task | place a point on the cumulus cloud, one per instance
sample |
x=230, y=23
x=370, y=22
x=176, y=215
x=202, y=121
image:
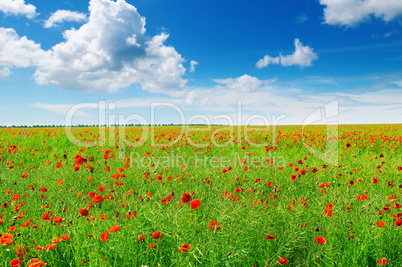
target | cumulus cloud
x=109, y=52
x=302, y=57
x=4, y=72
x=193, y=63
x=17, y=7
x=351, y=12
x=16, y=51
x=245, y=83
x=64, y=15
x=266, y=60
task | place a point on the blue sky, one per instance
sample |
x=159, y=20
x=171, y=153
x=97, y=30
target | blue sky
x=204, y=60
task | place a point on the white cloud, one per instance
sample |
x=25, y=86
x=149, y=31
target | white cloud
x=17, y=7
x=351, y=12
x=64, y=15
x=245, y=83
x=294, y=104
x=16, y=51
x=193, y=63
x=266, y=60
x=301, y=18
x=4, y=72
x=161, y=68
x=277, y=103
x=109, y=52
x=302, y=57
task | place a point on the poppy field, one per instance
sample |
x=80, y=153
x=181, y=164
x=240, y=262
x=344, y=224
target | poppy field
x=205, y=196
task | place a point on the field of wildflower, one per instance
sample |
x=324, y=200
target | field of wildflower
x=201, y=196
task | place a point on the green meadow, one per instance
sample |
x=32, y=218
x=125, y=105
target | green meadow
x=199, y=196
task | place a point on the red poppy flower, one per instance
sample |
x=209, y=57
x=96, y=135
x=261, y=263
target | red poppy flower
x=35, y=262
x=213, y=224
x=283, y=261
x=375, y=180
x=186, y=198
x=16, y=197
x=6, y=239
x=351, y=236
x=348, y=145
x=84, y=212
x=101, y=188
x=46, y=217
x=50, y=247
x=57, y=219
x=65, y=237
x=351, y=182
x=195, y=204
x=387, y=208
x=398, y=223
x=382, y=261
x=141, y=238
x=381, y=224
x=184, y=248
x=320, y=240
x=15, y=263
x=114, y=228
x=105, y=236
x=76, y=168
x=97, y=199
x=157, y=235
x=270, y=237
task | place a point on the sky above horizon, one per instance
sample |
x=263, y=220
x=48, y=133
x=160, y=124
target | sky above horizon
x=178, y=61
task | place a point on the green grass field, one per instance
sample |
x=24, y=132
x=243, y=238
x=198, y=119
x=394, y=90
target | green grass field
x=201, y=197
